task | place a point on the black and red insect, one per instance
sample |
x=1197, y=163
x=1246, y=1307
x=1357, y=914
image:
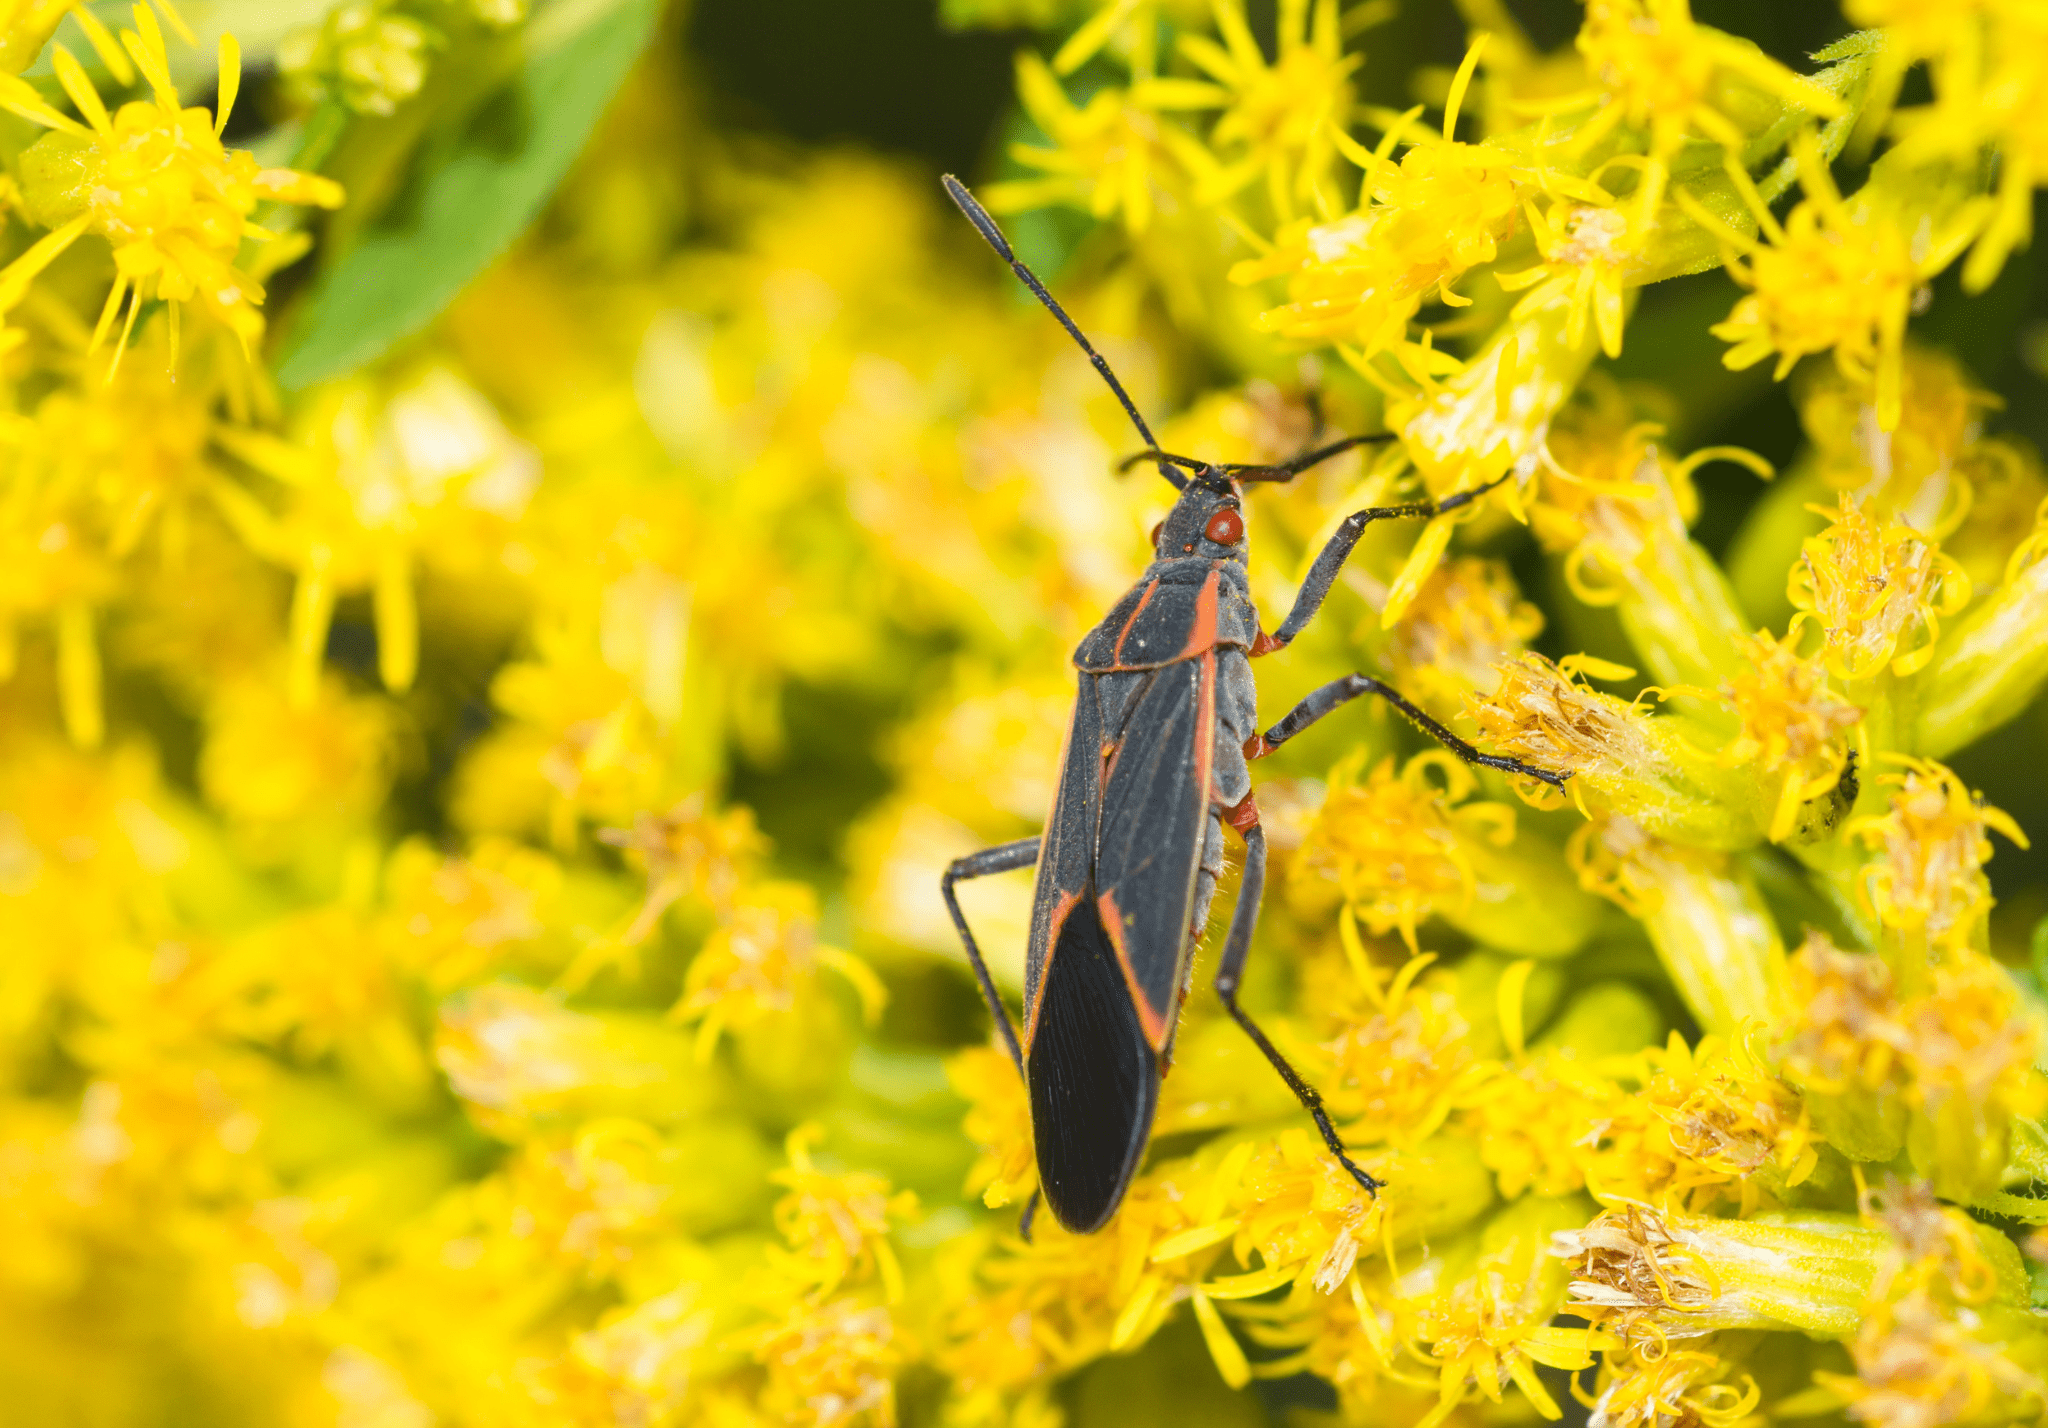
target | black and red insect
x=1155, y=764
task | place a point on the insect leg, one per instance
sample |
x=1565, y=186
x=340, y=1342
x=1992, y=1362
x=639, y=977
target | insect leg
x=1339, y=692
x=1003, y=858
x=1323, y=574
x=1243, y=919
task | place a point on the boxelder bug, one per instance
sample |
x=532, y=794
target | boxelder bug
x=1154, y=766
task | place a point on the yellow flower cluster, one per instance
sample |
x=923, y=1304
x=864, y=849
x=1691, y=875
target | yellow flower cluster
x=471, y=818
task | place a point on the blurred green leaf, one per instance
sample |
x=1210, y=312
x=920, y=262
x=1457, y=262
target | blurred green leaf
x=472, y=193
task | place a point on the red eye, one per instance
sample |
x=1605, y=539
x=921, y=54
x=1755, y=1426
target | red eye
x=1157, y=527
x=1226, y=527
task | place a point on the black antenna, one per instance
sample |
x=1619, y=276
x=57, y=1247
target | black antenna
x=978, y=216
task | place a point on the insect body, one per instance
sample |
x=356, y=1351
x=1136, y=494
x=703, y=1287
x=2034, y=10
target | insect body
x=1155, y=763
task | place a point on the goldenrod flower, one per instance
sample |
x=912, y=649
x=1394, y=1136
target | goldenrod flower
x=1908, y=470
x=1651, y=1385
x=1618, y=508
x=1652, y=1276
x=762, y=961
x=1640, y=765
x=1398, y=846
x=1839, y=275
x=155, y=181
x=1112, y=155
x=1792, y=728
x=1277, y=117
x=837, y=1226
x=430, y=1052
x=1843, y=1047
x=1663, y=71
x=371, y=57
x=1494, y=1327
x=1466, y=618
x=1589, y=253
x=1927, y=881
x=1362, y=277
x=998, y=1122
x=1878, y=592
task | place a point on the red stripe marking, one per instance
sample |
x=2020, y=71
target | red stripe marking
x=1202, y=636
x=1149, y=1017
x=1060, y=912
x=1125, y=633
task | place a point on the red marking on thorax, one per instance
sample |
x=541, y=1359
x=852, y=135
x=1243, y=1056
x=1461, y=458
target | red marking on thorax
x=1202, y=636
x=1265, y=644
x=1139, y=609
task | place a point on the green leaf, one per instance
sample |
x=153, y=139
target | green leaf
x=473, y=191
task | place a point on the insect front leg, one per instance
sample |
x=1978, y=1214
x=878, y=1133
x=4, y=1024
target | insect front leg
x=1339, y=692
x=1244, y=918
x=1330, y=560
x=1003, y=858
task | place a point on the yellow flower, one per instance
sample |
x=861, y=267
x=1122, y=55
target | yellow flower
x=1927, y=880
x=1653, y=1277
x=1362, y=277
x=26, y=26
x=155, y=181
x=1909, y=470
x=1989, y=80
x=833, y=1364
x=1493, y=1327
x=1657, y=1384
x=371, y=58
x=1588, y=253
x=1466, y=619
x=691, y=851
x=1025, y=1312
x=761, y=961
x=1838, y=275
x=1277, y=117
x=1662, y=71
x=1791, y=727
x=998, y=1121
x=837, y=1225
x=1873, y=588
x=1620, y=758
x=1842, y=1047
x=450, y=920
x=271, y=764
x=1534, y=1122
x=1401, y=1062
x=1702, y=910
x=1945, y=1330
x=1113, y=155
x=1398, y=846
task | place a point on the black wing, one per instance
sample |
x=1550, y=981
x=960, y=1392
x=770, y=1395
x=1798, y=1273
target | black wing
x=1155, y=803
x=1104, y=993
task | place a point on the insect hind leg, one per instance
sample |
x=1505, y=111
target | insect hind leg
x=1244, y=918
x=1339, y=692
x=1003, y=858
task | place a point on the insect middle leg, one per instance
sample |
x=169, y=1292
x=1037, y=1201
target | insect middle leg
x=1244, y=919
x=1003, y=858
x=1339, y=692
